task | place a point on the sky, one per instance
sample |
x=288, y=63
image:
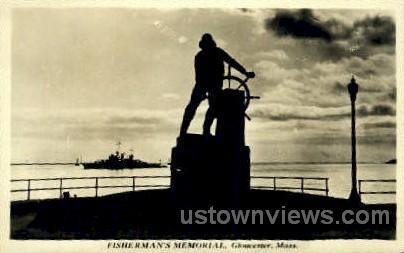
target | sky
x=84, y=79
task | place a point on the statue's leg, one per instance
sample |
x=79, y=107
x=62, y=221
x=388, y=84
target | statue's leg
x=207, y=124
x=197, y=97
x=211, y=113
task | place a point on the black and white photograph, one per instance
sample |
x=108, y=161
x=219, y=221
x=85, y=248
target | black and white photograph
x=203, y=127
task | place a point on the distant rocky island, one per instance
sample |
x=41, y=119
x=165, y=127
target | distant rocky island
x=392, y=161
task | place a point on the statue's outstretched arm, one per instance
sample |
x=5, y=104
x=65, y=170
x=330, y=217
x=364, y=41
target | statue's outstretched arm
x=232, y=62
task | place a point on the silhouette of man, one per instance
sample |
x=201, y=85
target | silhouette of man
x=209, y=72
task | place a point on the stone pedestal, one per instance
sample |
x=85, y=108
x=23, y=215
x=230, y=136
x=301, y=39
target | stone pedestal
x=214, y=168
x=231, y=121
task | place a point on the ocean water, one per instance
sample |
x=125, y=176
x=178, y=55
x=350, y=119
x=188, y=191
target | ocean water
x=339, y=179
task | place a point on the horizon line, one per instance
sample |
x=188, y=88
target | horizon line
x=256, y=163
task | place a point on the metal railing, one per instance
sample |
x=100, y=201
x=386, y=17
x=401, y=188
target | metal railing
x=302, y=187
x=364, y=181
x=133, y=186
x=96, y=185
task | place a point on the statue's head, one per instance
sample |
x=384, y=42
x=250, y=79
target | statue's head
x=207, y=42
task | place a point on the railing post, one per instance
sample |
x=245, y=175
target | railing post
x=302, y=184
x=133, y=183
x=326, y=187
x=96, y=187
x=274, y=183
x=360, y=187
x=29, y=190
x=61, y=188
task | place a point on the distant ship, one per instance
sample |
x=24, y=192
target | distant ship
x=119, y=161
x=392, y=161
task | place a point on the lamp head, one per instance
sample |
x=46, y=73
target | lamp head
x=353, y=88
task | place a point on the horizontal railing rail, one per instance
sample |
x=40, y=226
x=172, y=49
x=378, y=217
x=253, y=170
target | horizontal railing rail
x=96, y=185
x=302, y=188
x=133, y=186
x=69, y=178
x=364, y=181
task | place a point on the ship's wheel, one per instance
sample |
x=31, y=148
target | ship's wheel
x=236, y=83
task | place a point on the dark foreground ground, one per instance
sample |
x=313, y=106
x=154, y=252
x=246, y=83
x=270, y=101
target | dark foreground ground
x=152, y=214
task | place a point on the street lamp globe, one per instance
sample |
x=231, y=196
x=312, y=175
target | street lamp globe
x=353, y=88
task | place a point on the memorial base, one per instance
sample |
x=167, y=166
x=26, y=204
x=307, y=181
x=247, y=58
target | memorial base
x=204, y=171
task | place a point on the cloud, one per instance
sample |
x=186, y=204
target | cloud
x=300, y=24
x=393, y=94
x=279, y=112
x=274, y=73
x=245, y=10
x=376, y=110
x=384, y=124
x=304, y=24
x=372, y=140
x=89, y=124
x=324, y=84
x=342, y=89
x=378, y=30
x=277, y=54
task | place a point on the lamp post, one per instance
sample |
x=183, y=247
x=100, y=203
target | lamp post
x=353, y=90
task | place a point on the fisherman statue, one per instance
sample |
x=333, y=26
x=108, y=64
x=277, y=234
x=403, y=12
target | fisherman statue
x=209, y=72
x=214, y=168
